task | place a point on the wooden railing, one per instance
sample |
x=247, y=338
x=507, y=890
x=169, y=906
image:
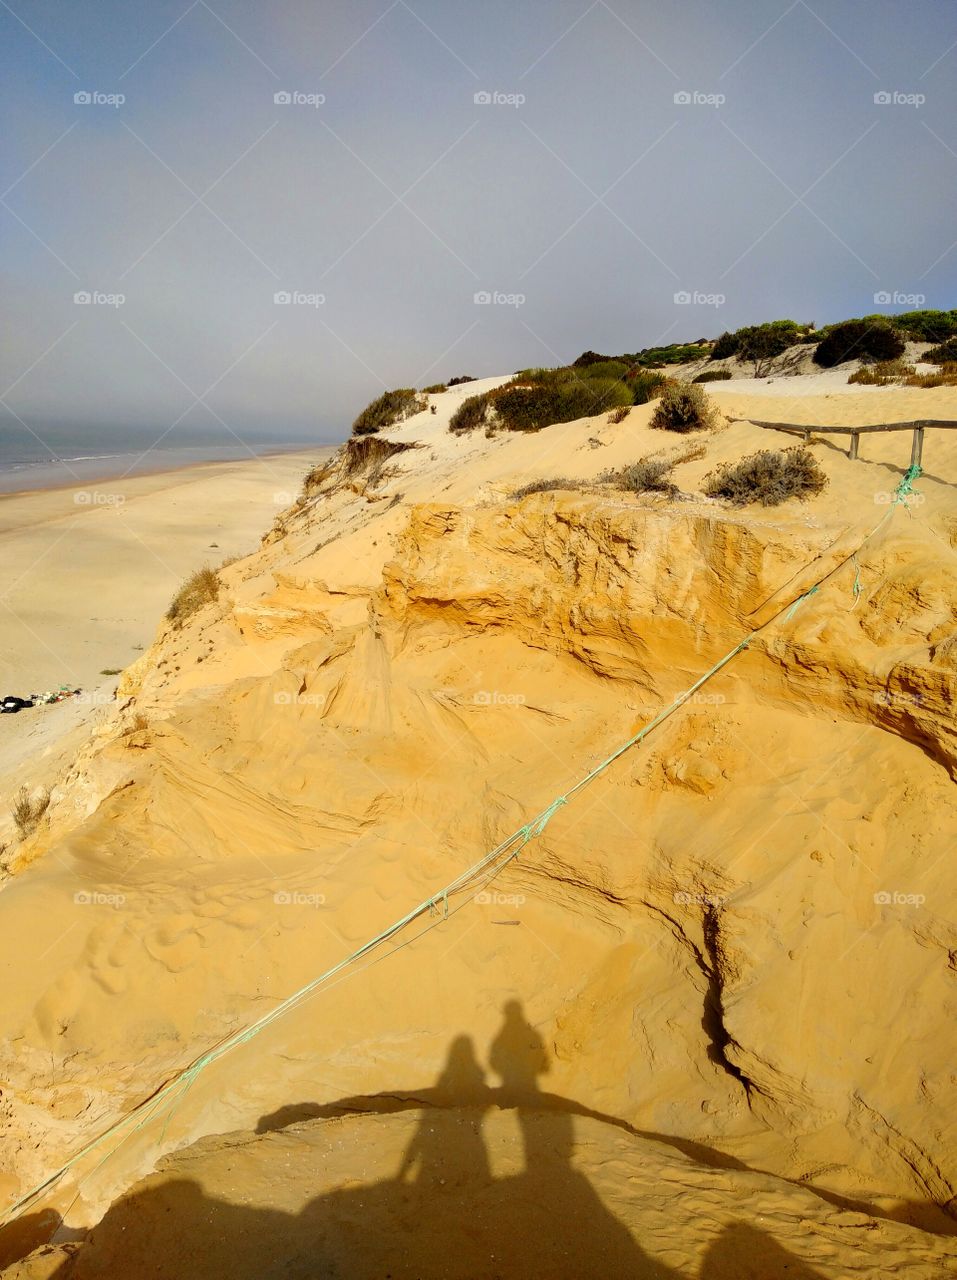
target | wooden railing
x=918, y=428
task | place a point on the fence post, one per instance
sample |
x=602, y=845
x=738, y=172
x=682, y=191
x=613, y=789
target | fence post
x=855, y=439
x=917, y=448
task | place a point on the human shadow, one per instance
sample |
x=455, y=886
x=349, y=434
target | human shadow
x=743, y=1252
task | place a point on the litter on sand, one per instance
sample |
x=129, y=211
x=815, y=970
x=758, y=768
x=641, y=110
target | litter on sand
x=11, y=704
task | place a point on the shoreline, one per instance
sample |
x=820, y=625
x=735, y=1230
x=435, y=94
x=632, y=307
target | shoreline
x=100, y=475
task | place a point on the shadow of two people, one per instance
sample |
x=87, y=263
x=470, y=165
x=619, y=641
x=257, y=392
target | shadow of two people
x=442, y=1214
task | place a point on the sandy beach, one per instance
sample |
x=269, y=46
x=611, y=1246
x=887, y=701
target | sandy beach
x=87, y=572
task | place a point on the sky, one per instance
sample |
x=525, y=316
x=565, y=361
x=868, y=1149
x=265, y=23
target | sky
x=250, y=219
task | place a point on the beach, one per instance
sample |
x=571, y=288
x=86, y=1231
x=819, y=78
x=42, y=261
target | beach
x=88, y=572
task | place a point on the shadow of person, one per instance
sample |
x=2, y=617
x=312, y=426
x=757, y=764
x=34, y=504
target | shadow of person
x=444, y=1132
x=743, y=1252
x=518, y=1055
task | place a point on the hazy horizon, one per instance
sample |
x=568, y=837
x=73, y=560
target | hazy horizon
x=589, y=165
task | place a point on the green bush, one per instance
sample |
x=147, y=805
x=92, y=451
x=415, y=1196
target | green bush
x=529, y=408
x=868, y=339
x=434, y=390
x=615, y=369
x=727, y=345
x=882, y=374
x=714, y=375
x=760, y=343
x=588, y=358
x=926, y=326
x=943, y=354
x=768, y=476
x=645, y=384
x=683, y=407
x=471, y=413
x=457, y=382
x=391, y=407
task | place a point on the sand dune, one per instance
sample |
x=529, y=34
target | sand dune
x=739, y=937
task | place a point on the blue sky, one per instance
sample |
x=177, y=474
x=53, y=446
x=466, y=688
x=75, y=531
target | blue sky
x=585, y=197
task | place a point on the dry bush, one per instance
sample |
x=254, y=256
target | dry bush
x=946, y=376
x=201, y=587
x=619, y=414
x=391, y=407
x=545, y=486
x=769, y=476
x=28, y=809
x=649, y=475
x=882, y=374
x=684, y=407
x=370, y=453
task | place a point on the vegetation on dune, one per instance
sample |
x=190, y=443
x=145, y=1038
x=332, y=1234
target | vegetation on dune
x=769, y=477
x=884, y=373
x=649, y=475
x=434, y=390
x=945, y=353
x=457, y=382
x=201, y=587
x=714, y=375
x=537, y=398
x=869, y=340
x=683, y=407
x=946, y=376
x=388, y=409
x=28, y=809
x=545, y=486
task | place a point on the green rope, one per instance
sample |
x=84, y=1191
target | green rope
x=493, y=862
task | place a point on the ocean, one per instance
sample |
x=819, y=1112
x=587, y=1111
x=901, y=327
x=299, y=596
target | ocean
x=74, y=456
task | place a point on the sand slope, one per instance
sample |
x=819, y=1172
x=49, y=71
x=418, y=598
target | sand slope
x=742, y=935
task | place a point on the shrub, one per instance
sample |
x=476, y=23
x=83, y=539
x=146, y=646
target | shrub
x=946, y=376
x=471, y=413
x=457, y=382
x=926, y=326
x=647, y=476
x=881, y=374
x=589, y=357
x=529, y=408
x=434, y=390
x=545, y=486
x=714, y=375
x=870, y=339
x=645, y=384
x=943, y=354
x=768, y=476
x=683, y=407
x=619, y=414
x=27, y=810
x=617, y=370
x=200, y=588
x=391, y=407
x=727, y=345
x=760, y=343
